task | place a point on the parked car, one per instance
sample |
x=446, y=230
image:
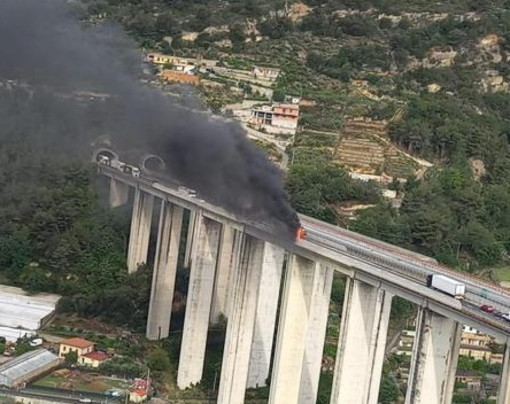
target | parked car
x=487, y=308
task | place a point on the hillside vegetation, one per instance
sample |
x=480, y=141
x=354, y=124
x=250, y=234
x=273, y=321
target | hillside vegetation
x=436, y=75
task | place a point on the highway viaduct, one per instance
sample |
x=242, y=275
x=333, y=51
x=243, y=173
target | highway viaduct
x=236, y=271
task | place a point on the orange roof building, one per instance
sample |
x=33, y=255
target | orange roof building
x=93, y=359
x=79, y=345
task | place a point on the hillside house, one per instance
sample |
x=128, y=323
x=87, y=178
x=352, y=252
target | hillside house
x=79, y=345
x=93, y=359
x=286, y=116
x=276, y=119
x=139, y=391
x=84, y=349
x=472, y=380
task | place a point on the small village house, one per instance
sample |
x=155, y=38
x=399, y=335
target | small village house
x=472, y=380
x=139, y=391
x=276, y=119
x=79, y=345
x=84, y=349
x=92, y=359
x=286, y=116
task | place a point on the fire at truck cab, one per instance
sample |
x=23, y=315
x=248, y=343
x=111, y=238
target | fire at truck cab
x=301, y=234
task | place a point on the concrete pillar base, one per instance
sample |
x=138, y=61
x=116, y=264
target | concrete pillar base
x=301, y=332
x=361, y=345
x=434, y=359
x=316, y=336
x=265, y=323
x=241, y=323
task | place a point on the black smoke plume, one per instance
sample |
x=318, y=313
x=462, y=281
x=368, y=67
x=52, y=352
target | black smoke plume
x=52, y=64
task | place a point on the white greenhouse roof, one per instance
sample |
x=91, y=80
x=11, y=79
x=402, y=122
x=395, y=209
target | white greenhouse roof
x=12, y=334
x=25, y=365
x=20, y=310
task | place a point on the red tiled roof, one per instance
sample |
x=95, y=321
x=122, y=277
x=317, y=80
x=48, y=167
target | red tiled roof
x=77, y=343
x=96, y=355
x=139, y=392
x=140, y=384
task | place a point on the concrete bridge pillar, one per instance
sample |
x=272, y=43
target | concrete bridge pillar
x=227, y=258
x=119, y=193
x=317, y=326
x=198, y=306
x=301, y=332
x=192, y=227
x=504, y=386
x=265, y=320
x=165, y=269
x=434, y=359
x=241, y=322
x=141, y=221
x=360, y=353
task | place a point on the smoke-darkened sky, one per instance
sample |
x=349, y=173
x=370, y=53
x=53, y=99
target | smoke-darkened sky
x=50, y=54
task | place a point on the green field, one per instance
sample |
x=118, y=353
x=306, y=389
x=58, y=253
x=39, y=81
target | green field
x=503, y=274
x=80, y=382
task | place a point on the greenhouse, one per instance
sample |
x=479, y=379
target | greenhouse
x=26, y=367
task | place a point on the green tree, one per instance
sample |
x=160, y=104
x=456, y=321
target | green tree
x=388, y=391
x=22, y=347
x=279, y=95
x=158, y=360
x=317, y=189
x=71, y=358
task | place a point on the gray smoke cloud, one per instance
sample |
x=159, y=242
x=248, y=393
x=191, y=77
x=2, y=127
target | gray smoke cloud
x=47, y=56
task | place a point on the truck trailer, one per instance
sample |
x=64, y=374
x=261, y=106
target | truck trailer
x=447, y=285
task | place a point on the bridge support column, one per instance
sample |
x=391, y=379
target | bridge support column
x=165, y=269
x=360, y=353
x=434, y=359
x=119, y=193
x=141, y=220
x=304, y=312
x=192, y=226
x=229, y=250
x=317, y=326
x=265, y=322
x=241, y=322
x=504, y=386
x=198, y=306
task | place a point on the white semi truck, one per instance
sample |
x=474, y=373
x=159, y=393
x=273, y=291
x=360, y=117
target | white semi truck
x=447, y=285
